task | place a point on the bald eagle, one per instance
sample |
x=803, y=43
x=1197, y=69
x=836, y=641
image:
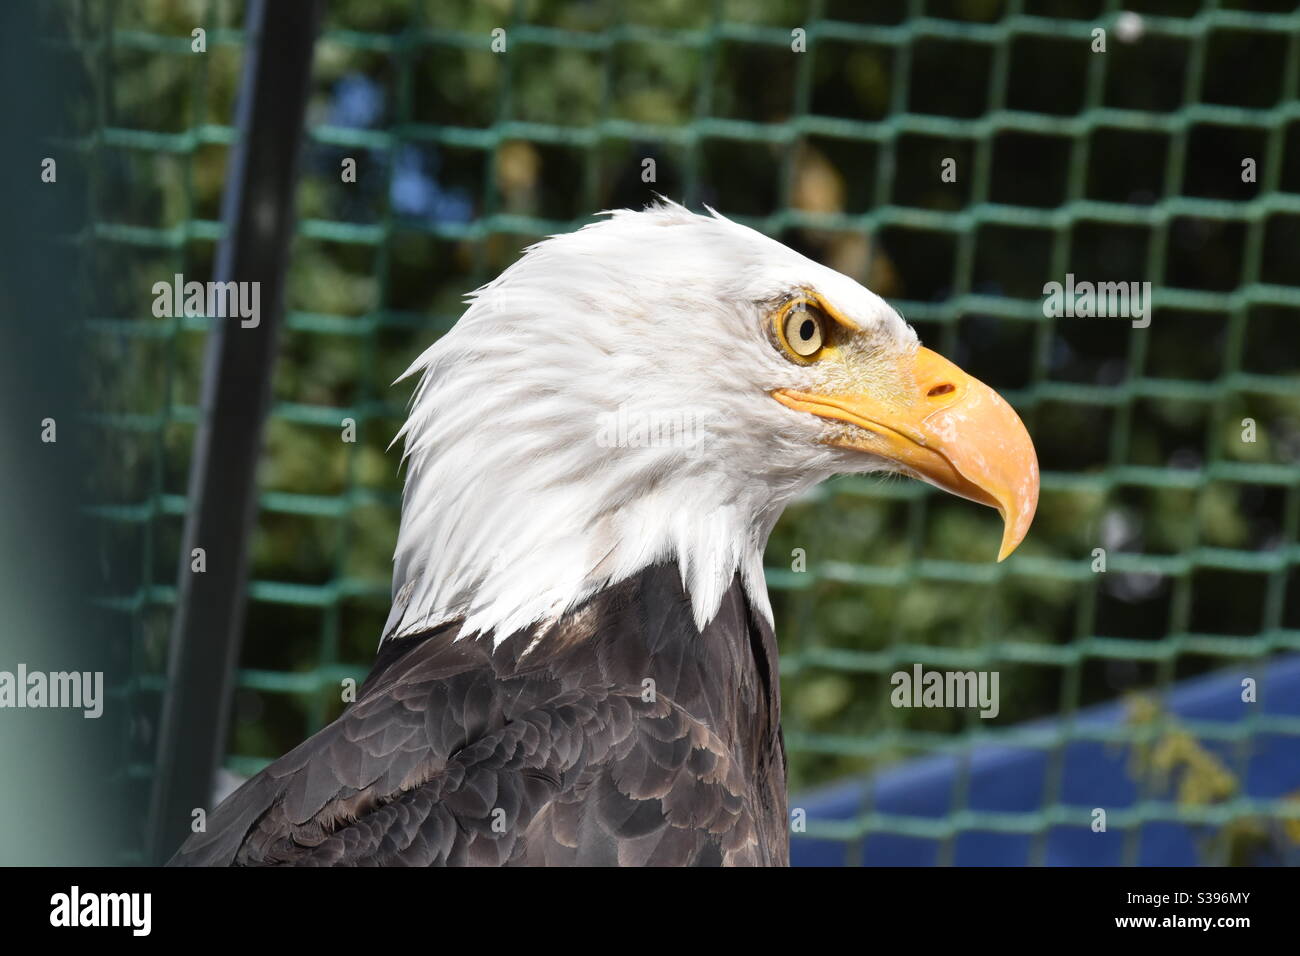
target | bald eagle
x=579, y=666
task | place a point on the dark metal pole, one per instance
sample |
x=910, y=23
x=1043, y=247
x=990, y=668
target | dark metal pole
x=257, y=211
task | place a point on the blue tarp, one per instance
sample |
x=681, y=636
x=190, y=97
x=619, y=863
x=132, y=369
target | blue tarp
x=1013, y=779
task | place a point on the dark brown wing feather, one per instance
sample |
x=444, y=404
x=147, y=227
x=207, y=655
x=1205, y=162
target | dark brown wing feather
x=549, y=753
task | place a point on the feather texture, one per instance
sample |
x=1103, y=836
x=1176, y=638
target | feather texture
x=579, y=664
x=524, y=495
x=620, y=735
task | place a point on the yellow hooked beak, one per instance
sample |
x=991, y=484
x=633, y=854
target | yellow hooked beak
x=947, y=428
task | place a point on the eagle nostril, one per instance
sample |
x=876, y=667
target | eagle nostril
x=941, y=390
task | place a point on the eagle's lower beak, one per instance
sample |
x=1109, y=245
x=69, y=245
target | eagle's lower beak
x=947, y=428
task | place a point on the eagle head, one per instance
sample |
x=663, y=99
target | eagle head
x=657, y=387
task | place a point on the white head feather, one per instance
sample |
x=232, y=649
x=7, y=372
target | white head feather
x=528, y=490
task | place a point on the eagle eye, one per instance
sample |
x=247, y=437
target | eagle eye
x=802, y=327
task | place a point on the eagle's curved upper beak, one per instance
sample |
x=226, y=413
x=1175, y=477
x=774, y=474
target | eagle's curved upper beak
x=945, y=427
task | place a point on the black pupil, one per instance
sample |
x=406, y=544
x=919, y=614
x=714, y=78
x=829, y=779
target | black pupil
x=807, y=329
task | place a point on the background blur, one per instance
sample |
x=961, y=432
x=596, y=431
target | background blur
x=1119, y=689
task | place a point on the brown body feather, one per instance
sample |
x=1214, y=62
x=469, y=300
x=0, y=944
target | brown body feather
x=620, y=735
